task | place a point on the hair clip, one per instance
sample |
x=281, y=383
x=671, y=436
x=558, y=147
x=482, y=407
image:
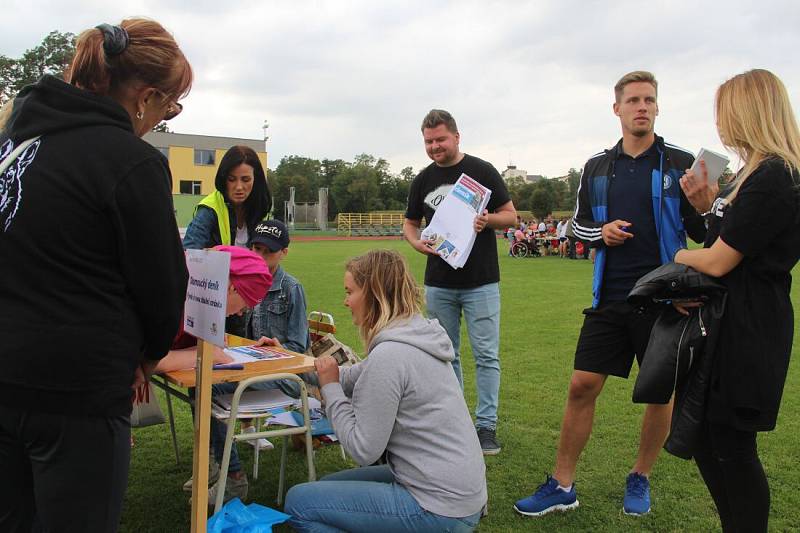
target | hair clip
x=115, y=39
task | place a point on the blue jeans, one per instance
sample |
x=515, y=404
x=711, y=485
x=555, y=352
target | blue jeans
x=481, y=308
x=364, y=499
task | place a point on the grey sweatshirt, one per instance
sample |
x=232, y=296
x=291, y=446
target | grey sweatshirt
x=405, y=399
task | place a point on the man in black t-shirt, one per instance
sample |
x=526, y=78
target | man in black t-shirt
x=632, y=211
x=474, y=288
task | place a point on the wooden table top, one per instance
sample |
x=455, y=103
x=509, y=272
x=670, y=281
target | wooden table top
x=298, y=364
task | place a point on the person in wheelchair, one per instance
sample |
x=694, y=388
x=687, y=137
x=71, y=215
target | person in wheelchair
x=525, y=245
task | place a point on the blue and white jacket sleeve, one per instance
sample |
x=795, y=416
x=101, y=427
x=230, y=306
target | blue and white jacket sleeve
x=584, y=225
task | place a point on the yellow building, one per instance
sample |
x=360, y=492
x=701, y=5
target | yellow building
x=193, y=159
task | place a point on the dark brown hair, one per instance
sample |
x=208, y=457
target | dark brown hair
x=151, y=57
x=435, y=117
x=259, y=203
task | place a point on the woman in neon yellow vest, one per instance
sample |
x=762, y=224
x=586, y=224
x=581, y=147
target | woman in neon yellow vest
x=242, y=200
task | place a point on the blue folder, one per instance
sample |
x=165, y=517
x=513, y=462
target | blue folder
x=320, y=425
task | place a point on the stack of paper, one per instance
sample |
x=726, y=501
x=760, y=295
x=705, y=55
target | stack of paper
x=255, y=403
x=452, y=228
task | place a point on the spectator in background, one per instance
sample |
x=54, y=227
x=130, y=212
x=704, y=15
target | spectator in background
x=510, y=236
x=561, y=232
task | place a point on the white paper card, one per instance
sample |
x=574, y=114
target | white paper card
x=207, y=295
x=715, y=164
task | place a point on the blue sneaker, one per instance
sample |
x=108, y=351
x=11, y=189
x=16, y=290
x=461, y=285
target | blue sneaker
x=547, y=498
x=637, y=495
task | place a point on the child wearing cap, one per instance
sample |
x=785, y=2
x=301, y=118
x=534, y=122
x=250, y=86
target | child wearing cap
x=282, y=313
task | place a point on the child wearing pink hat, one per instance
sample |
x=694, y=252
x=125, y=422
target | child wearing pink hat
x=250, y=279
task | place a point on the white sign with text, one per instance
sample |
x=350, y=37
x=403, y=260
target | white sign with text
x=207, y=295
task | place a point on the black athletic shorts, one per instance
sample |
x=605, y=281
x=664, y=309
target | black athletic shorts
x=611, y=336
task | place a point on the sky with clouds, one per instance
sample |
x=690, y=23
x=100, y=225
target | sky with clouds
x=530, y=83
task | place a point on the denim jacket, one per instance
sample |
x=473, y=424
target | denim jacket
x=282, y=314
x=203, y=230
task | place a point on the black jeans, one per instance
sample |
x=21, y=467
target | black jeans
x=62, y=473
x=728, y=461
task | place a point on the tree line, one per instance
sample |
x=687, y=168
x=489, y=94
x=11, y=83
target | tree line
x=363, y=185
x=367, y=184
x=546, y=195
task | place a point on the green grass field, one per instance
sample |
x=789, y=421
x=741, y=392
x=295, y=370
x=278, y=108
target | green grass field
x=542, y=299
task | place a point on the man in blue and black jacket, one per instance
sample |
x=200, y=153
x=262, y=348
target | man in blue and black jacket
x=632, y=209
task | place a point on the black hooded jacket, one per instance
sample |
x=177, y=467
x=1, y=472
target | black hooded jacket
x=92, y=272
x=681, y=349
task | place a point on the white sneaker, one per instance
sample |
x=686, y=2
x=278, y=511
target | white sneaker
x=263, y=444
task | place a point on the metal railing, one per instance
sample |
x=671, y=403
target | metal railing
x=370, y=224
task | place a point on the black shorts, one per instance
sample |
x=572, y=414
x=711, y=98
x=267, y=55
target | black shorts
x=611, y=336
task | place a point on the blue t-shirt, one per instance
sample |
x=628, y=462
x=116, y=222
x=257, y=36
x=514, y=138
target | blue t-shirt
x=630, y=198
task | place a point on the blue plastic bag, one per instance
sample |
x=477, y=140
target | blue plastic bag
x=235, y=517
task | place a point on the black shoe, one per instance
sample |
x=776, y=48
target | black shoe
x=488, y=439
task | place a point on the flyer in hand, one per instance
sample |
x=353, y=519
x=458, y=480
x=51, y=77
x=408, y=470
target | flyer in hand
x=452, y=228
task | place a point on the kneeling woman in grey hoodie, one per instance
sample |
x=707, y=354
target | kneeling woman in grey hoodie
x=403, y=402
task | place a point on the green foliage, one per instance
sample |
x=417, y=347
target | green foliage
x=302, y=173
x=541, y=197
x=51, y=56
x=366, y=184
x=573, y=182
x=541, y=202
x=541, y=300
x=356, y=188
